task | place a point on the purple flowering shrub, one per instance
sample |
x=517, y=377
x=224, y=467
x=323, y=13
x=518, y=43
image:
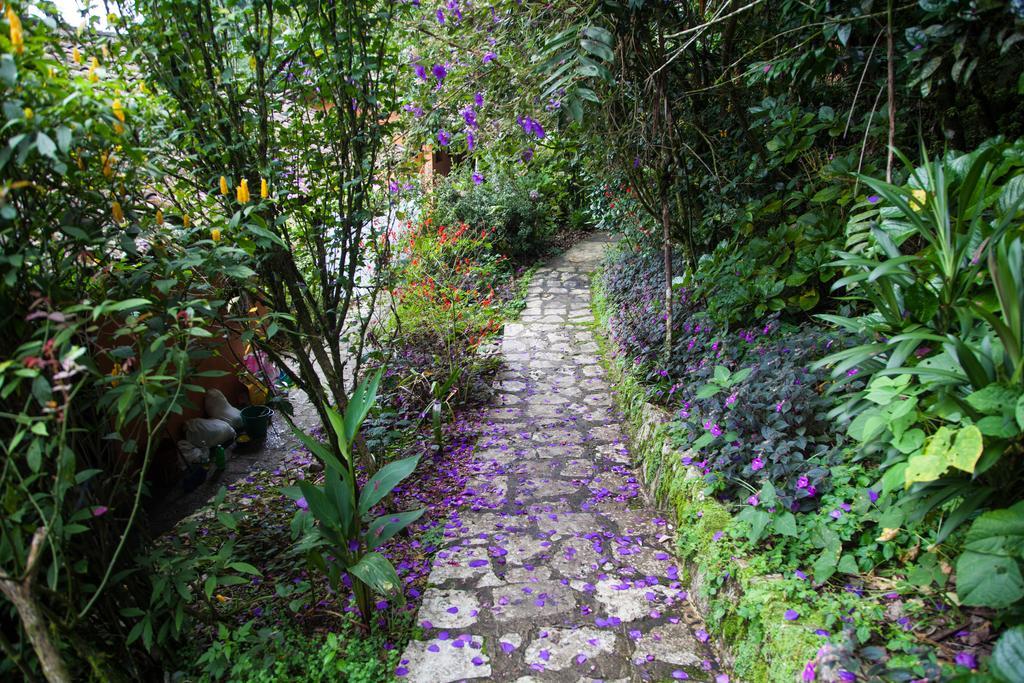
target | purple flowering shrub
x=770, y=426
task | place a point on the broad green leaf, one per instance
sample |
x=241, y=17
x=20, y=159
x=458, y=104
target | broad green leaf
x=381, y=483
x=360, y=403
x=721, y=374
x=319, y=506
x=966, y=449
x=376, y=571
x=984, y=580
x=998, y=532
x=386, y=526
x=909, y=441
x=318, y=449
x=1019, y=412
x=993, y=399
x=925, y=468
x=785, y=525
x=1007, y=661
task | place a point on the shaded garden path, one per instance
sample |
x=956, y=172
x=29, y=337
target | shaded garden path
x=558, y=569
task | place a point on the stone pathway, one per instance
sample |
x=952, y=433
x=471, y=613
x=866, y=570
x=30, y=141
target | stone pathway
x=558, y=570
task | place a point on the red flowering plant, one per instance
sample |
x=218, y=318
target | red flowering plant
x=450, y=292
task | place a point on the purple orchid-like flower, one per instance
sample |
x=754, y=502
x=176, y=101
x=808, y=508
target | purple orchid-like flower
x=439, y=72
x=469, y=116
x=757, y=464
x=490, y=57
x=802, y=482
x=444, y=138
x=421, y=71
x=966, y=659
x=478, y=99
x=478, y=178
x=440, y=17
x=470, y=140
x=791, y=615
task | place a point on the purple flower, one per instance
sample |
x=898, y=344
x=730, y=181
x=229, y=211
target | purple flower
x=477, y=178
x=753, y=500
x=791, y=615
x=440, y=17
x=680, y=675
x=439, y=71
x=873, y=495
x=489, y=57
x=469, y=116
x=301, y=502
x=846, y=676
x=851, y=372
x=470, y=140
x=802, y=482
x=101, y=510
x=701, y=635
x=800, y=575
x=722, y=678
x=527, y=154
x=444, y=138
x=836, y=514
x=966, y=659
x=808, y=674
x=717, y=536
x=811, y=491
x=478, y=99
x=873, y=199
x=421, y=71
x=731, y=400
x=757, y=464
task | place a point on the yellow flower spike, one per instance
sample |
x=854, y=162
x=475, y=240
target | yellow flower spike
x=118, y=213
x=29, y=113
x=118, y=110
x=243, y=192
x=919, y=199
x=76, y=56
x=220, y=598
x=223, y=185
x=215, y=234
x=118, y=129
x=264, y=188
x=186, y=221
x=159, y=217
x=93, y=65
x=17, y=35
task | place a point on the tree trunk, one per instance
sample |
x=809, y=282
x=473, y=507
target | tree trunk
x=32, y=619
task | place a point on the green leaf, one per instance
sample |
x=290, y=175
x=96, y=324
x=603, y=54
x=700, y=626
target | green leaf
x=386, y=526
x=998, y=532
x=1007, y=661
x=924, y=468
x=848, y=564
x=46, y=146
x=376, y=571
x=721, y=374
x=707, y=391
x=993, y=399
x=227, y=519
x=319, y=506
x=245, y=568
x=360, y=403
x=598, y=49
x=984, y=580
x=318, y=449
x=785, y=524
x=824, y=567
x=381, y=483
x=966, y=449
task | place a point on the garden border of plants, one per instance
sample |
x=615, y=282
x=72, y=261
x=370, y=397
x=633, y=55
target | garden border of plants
x=756, y=651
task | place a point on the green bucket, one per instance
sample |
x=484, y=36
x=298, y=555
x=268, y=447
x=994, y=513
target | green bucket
x=255, y=420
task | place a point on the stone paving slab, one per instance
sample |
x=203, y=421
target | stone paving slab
x=558, y=569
